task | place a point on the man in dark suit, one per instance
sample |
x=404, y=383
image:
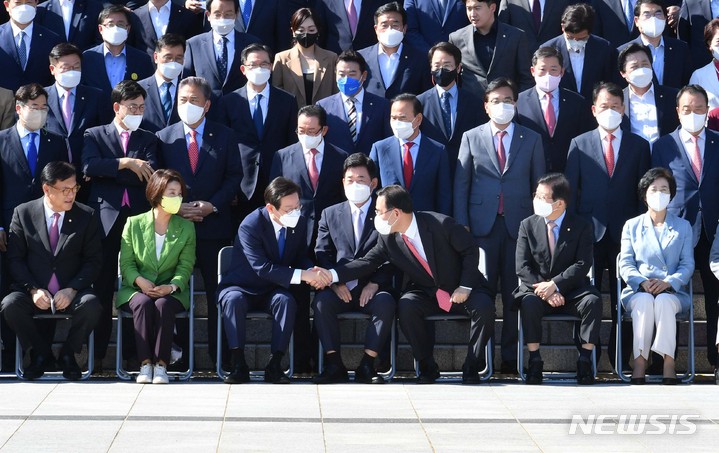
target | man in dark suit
x=347, y=23
x=555, y=113
x=604, y=167
x=448, y=110
x=268, y=257
x=693, y=17
x=394, y=66
x=114, y=61
x=347, y=232
x=54, y=257
x=588, y=59
x=541, y=21
x=491, y=49
x=432, y=21
x=690, y=152
x=74, y=22
x=205, y=153
x=497, y=166
x=614, y=20
x=554, y=255
x=161, y=87
x=356, y=119
x=419, y=164
x=263, y=18
x=24, y=46
x=160, y=17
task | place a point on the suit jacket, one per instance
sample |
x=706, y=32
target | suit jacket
x=287, y=75
x=665, y=100
x=611, y=24
x=574, y=118
x=567, y=267
x=452, y=256
x=266, y=23
x=257, y=151
x=256, y=267
x=37, y=68
x=412, y=75
x=182, y=21
x=706, y=76
x=218, y=175
x=599, y=64
x=431, y=187
x=153, y=119
x=518, y=13
x=83, y=23
x=511, y=58
x=139, y=66
x=678, y=65
x=427, y=24
x=478, y=180
x=102, y=150
x=694, y=198
x=7, y=108
x=337, y=34
x=77, y=259
x=374, y=123
x=606, y=201
x=138, y=256
x=18, y=185
x=693, y=17
x=643, y=256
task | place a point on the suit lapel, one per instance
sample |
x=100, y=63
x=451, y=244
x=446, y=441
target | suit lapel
x=536, y=107
x=709, y=154
x=564, y=233
x=597, y=151
x=368, y=226
x=683, y=155
x=296, y=67
x=616, y=6
x=53, y=101
x=650, y=237
x=325, y=61
x=77, y=15
x=515, y=146
x=394, y=151
x=208, y=136
x=41, y=225
x=148, y=236
x=7, y=41
x=244, y=111
x=171, y=237
x=269, y=233
x=423, y=161
x=489, y=146
x=347, y=230
x=367, y=113
x=499, y=51
x=428, y=244
x=298, y=161
x=210, y=56
x=19, y=151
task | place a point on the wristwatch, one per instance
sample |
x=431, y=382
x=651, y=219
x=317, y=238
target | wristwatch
x=214, y=209
x=174, y=288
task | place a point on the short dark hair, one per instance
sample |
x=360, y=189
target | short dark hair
x=350, y=56
x=113, y=9
x=236, y=3
x=652, y=175
x=360, y=160
x=314, y=111
x=578, y=17
x=396, y=197
x=300, y=16
x=197, y=82
x=62, y=50
x=409, y=97
x=446, y=47
x=127, y=89
x=632, y=48
x=559, y=185
x=547, y=52
x=29, y=92
x=501, y=82
x=278, y=189
x=488, y=2
x=710, y=30
x=659, y=3
x=58, y=170
x=255, y=47
x=609, y=87
x=170, y=40
x=693, y=89
x=391, y=7
x=158, y=183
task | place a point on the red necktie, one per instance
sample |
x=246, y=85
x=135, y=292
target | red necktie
x=609, y=155
x=125, y=138
x=550, y=116
x=54, y=286
x=407, y=166
x=502, y=158
x=696, y=159
x=193, y=151
x=314, y=172
x=443, y=298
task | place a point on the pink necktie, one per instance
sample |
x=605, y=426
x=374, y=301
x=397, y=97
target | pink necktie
x=550, y=116
x=502, y=158
x=313, y=171
x=54, y=286
x=443, y=298
x=125, y=138
x=193, y=151
x=550, y=236
x=696, y=159
x=609, y=155
x=352, y=17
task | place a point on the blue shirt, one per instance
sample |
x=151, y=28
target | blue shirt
x=200, y=129
x=115, y=66
x=25, y=139
x=557, y=226
x=658, y=57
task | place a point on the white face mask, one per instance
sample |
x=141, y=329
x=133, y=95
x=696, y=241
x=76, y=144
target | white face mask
x=715, y=53
x=547, y=82
x=652, y=27
x=23, y=14
x=258, y=76
x=68, y=79
x=403, y=130
x=357, y=193
x=291, y=219
x=382, y=226
x=114, y=35
x=132, y=122
x=692, y=122
x=170, y=70
x=390, y=38
x=576, y=45
x=34, y=119
x=609, y=119
x=640, y=77
x=222, y=26
x=190, y=113
x=542, y=208
x=658, y=201
x=501, y=113
x=309, y=141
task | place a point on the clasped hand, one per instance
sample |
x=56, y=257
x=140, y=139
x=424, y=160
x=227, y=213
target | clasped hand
x=655, y=286
x=317, y=277
x=149, y=289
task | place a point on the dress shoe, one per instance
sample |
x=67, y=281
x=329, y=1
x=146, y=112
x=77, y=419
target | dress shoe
x=366, y=374
x=535, y=371
x=274, y=373
x=470, y=374
x=638, y=380
x=70, y=369
x=332, y=374
x=671, y=381
x=38, y=366
x=585, y=375
x=508, y=367
x=240, y=374
x=428, y=373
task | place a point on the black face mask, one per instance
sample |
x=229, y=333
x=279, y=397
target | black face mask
x=306, y=39
x=444, y=77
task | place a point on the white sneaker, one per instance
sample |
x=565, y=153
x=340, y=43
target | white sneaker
x=160, y=375
x=145, y=376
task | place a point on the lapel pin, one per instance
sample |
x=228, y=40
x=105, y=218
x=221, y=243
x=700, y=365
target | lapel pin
x=82, y=97
x=569, y=229
x=133, y=76
x=504, y=36
x=69, y=220
x=210, y=134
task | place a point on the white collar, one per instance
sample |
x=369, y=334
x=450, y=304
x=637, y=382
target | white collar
x=412, y=230
x=320, y=148
x=199, y=129
x=359, y=97
x=616, y=133
x=509, y=129
x=22, y=131
x=160, y=80
x=61, y=91
x=217, y=38
x=49, y=212
x=16, y=30
x=165, y=7
x=647, y=43
x=364, y=208
x=555, y=93
x=686, y=136
x=650, y=92
x=398, y=52
x=251, y=93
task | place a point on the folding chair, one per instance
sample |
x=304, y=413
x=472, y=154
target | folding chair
x=685, y=316
x=224, y=260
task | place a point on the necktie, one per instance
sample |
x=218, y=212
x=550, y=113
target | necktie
x=281, y=241
x=352, y=17
x=352, y=118
x=53, y=285
x=193, y=151
x=447, y=113
x=502, y=158
x=67, y=111
x=537, y=14
x=22, y=51
x=550, y=237
x=257, y=117
x=32, y=153
x=407, y=165
x=629, y=13
x=125, y=138
x=222, y=61
x=358, y=225
x=550, y=116
x=609, y=155
x=443, y=298
x=313, y=171
x=246, y=13
x=696, y=159
x=167, y=100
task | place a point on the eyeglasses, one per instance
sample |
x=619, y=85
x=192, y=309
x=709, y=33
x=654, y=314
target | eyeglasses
x=282, y=211
x=648, y=15
x=68, y=190
x=378, y=213
x=502, y=101
x=261, y=65
x=112, y=25
x=546, y=198
x=310, y=133
x=35, y=108
x=134, y=108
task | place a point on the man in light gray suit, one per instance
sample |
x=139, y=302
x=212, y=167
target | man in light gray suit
x=498, y=166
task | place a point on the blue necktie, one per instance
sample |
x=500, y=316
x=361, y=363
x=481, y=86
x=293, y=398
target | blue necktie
x=447, y=113
x=32, y=153
x=222, y=61
x=281, y=241
x=167, y=100
x=257, y=117
x=22, y=51
x=246, y=13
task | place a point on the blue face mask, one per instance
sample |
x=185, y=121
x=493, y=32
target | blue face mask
x=348, y=86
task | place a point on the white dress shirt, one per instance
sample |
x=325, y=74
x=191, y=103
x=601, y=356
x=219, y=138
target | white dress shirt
x=66, y=7
x=160, y=18
x=388, y=64
x=413, y=150
x=318, y=157
x=643, y=114
x=264, y=102
x=159, y=242
x=543, y=99
x=297, y=273
x=412, y=234
x=16, y=36
x=217, y=39
x=688, y=143
x=506, y=141
x=49, y=213
x=359, y=99
x=616, y=141
x=363, y=211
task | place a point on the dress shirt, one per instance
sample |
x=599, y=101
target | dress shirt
x=541, y=7
x=454, y=94
x=264, y=102
x=557, y=225
x=543, y=99
x=359, y=99
x=686, y=138
x=643, y=114
x=318, y=157
x=412, y=234
x=484, y=45
x=217, y=39
x=358, y=6
x=115, y=66
x=388, y=64
x=616, y=141
x=199, y=129
x=714, y=7
x=576, y=59
x=173, y=88
x=413, y=151
x=507, y=141
x=61, y=93
x=49, y=216
x=159, y=242
x=160, y=17
x=297, y=273
x=25, y=141
x=66, y=7
x=364, y=210
x=16, y=35
x=657, y=58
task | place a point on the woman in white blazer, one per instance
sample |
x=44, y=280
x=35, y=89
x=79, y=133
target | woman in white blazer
x=707, y=76
x=657, y=262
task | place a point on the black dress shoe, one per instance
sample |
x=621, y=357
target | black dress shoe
x=366, y=374
x=274, y=374
x=470, y=374
x=638, y=380
x=428, y=373
x=535, y=372
x=38, y=366
x=508, y=367
x=240, y=374
x=585, y=375
x=332, y=374
x=70, y=369
x=671, y=381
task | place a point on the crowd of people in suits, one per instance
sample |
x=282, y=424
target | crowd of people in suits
x=366, y=150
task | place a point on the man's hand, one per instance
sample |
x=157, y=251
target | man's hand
x=145, y=285
x=191, y=212
x=673, y=16
x=342, y=292
x=3, y=241
x=556, y=300
x=194, y=6
x=41, y=298
x=64, y=298
x=141, y=168
x=205, y=208
x=460, y=295
x=317, y=277
x=368, y=293
x=544, y=289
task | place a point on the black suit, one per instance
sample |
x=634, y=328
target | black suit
x=412, y=75
x=182, y=22
x=693, y=17
x=267, y=23
x=83, y=21
x=153, y=119
x=336, y=35
x=518, y=13
x=610, y=22
x=37, y=70
x=678, y=65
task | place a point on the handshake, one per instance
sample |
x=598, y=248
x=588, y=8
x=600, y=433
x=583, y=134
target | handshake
x=317, y=277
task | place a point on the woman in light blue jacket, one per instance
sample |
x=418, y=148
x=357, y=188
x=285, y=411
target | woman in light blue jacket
x=657, y=263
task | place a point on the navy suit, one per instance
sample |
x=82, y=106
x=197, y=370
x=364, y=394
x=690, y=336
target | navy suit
x=266, y=23
x=153, y=119
x=665, y=99
x=693, y=17
x=678, y=66
x=182, y=22
x=610, y=22
x=374, y=124
x=83, y=22
x=431, y=188
x=412, y=76
x=139, y=66
x=37, y=68
x=427, y=24
x=518, y=13
x=337, y=35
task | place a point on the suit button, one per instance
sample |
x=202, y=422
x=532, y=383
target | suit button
x=664, y=268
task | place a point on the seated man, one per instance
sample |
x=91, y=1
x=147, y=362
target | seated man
x=337, y=244
x=54, y=255
x=269, y=255
x=554, y=255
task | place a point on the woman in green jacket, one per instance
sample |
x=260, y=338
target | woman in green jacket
x=157, y=256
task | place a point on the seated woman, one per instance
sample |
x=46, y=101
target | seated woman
x=157, y=255
x=657, y=262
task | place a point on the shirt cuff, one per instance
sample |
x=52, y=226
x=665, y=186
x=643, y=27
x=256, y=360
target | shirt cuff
x=335, y=277
x=296, y=277
x=464, y=287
